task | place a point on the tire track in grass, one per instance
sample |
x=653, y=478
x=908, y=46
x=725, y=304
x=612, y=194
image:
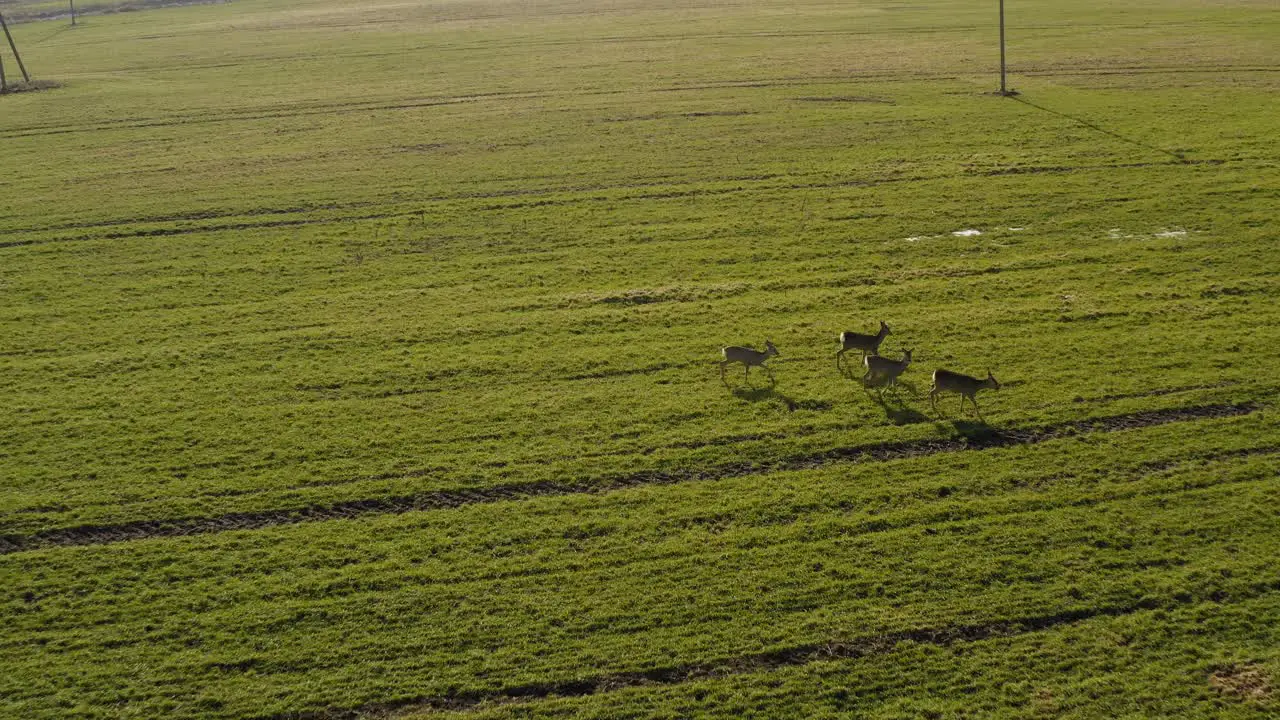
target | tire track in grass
x=983, y=438
x=795, y=432
x=928, y=523
x=747, y=185
x=375, y=105
x=198, y=215
x=837, y=649
x=264, y=114
x=349, y=588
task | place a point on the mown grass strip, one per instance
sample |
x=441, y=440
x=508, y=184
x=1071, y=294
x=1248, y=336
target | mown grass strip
x=799, y=655
x=977, y=437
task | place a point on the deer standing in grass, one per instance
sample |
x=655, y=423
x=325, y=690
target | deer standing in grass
x=868, y=344
x=748, y=357
x=884, y=371
x=967, y=387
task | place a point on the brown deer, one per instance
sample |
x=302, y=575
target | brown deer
x=748, y=357
x=868, y=344
x=883, y=370
x=967, y=387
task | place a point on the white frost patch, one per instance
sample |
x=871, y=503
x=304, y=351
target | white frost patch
x=1171, y=233
x=966, y=233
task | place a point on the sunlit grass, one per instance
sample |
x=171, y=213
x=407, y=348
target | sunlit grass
x=274, y=257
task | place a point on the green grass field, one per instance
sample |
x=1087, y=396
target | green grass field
x=361, y=360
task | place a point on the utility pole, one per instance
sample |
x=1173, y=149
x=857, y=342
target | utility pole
x=1004, y=88
x=73, y=13
x=14, y=48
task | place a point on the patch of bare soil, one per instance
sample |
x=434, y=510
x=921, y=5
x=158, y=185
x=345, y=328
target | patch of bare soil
x=1245, y=681
x=31, y=86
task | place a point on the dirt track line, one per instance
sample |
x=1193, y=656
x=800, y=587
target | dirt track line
x=770, y=660
x=982, y=439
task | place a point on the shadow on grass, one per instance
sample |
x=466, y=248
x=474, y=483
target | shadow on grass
x=974, y=429
x=771, y=394
x=895, y=409
x=1105, y=131
x=851, y=370
x=968, y=425
x=756, y=394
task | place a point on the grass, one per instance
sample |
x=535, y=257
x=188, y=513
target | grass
x=362, y=360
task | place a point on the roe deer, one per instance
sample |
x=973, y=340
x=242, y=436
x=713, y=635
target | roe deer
x=868, y=344
x=884, y=370
x=968, y=387
x=748, y=357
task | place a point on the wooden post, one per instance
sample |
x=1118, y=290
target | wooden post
x=1004, y=90
x=3, y=85
x=14, y=48
x=73, y=13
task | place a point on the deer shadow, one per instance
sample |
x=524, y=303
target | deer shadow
x=895, y=409
x=763, y=394
x=975, y=430
x=849, y=369
x=971, y=427
x=881, y=387
x=747, y=386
